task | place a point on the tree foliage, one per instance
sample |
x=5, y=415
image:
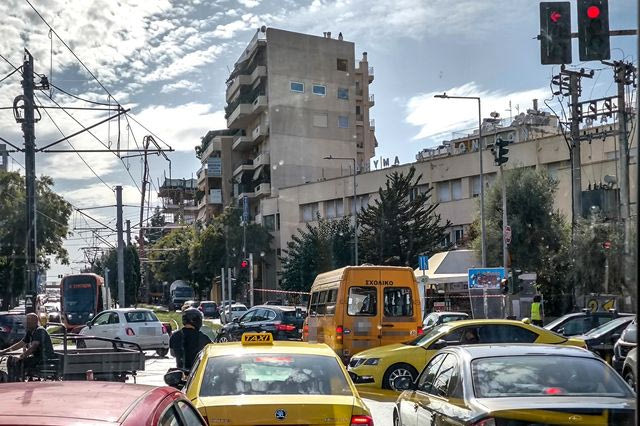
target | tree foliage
x=170, y=257
x=318, y=248
x=131, y=272
x=401, y=223
x=51, y=230
x=540, y=235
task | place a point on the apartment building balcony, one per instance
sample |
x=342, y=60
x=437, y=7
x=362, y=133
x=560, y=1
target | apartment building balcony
x=243, y=166
x=244, y=190
x=358, y=94
x=242, y=142
x=262, y=190
x=372, y=124
x=359, y=120
x=372, y=100
x=371, y=73
x=262, y=160
x=248, y=79
x=188, y=206
x=215, y=145
x=245, y=110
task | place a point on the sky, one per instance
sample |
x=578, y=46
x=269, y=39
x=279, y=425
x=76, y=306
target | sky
x=168, y=61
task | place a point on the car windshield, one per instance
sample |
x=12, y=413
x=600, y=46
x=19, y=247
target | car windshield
x=544, y=376
x=428, y=336
x=238, y=308
x=607, y=327
x=140, y=316
x=555, y=323
x=273, y=374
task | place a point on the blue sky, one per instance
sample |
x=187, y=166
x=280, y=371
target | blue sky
x=168, y=61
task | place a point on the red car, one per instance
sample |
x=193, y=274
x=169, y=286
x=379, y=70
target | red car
x=94, y=403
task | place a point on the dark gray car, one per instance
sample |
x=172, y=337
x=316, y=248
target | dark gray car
x=12, y=328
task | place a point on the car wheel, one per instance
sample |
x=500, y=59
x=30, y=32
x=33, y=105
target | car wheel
x=395, y=371
x=162, y=352
x=223, y=338
x=630, y=379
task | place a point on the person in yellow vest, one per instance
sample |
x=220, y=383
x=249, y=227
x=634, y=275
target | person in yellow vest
x=536, y=311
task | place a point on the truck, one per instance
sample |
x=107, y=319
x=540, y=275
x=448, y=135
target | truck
x=179, y=292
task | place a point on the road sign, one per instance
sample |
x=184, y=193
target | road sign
x=507, y=234
x=485, y=277
x=423, y=262
x=245, y=209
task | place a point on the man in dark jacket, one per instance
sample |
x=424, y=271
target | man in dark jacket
x=186, y=343
x=38, y=348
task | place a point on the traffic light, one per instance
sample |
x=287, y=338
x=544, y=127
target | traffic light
x=555, y=32
x=500, y=152
x=593, y=30
x=244, y=264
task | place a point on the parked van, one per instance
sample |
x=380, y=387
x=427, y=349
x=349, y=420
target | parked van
x=360, y=307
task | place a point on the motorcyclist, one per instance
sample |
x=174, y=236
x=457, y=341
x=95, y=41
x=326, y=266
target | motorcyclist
x=186, y=343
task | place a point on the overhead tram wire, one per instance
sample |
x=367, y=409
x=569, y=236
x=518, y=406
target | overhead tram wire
x=9, y=75
x=72, y=147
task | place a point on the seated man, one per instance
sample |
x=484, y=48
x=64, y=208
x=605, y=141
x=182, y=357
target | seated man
x=470, y=337
x=38, y=348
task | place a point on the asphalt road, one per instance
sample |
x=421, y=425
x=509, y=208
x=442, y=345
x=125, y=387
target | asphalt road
x=155, y=367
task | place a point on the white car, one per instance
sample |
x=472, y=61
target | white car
x=237, y=310
x=139, y=326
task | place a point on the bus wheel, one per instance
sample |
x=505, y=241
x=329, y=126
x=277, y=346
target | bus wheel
x=398, y=370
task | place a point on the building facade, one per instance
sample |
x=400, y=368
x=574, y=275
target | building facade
x=214, y=176
x=178, y=201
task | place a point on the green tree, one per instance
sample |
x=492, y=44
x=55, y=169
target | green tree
x=171, y=255
x=131, y=272
x=318, y=248
x=401, y=224
x=51, y=230
x=540, y=234
x=157, y=222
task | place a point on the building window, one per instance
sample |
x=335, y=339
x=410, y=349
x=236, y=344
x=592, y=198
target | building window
x=343, y=122
x=362, y=201
x=320, y=120
x=334, y=208
x=414, y=193
x=342, y=64
x=459, y=235
x=446, y=242
x=278, y=221
x=456, y=189
x=358, y=111
x=309, y=212
x=319, y=89
x=297, y=87
x=444, y=192
x=475, y=186
x=269, y=222
x=343, y=93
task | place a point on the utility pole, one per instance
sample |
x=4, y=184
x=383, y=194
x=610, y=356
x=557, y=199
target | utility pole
x=222, y=315
x=251, y=280
x=28, y=129
x=505, y=244
x=120, y=248
x=128, y=222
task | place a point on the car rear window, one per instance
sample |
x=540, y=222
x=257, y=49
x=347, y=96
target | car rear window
x=140, y=316
x=238, y=309
x=544, y=375
x=273, y=374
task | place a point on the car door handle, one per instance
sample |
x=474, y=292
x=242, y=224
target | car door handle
x=416, y=406
x=387, y=325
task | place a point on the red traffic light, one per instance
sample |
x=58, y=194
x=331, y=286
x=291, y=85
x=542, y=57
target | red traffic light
x=606, y=245
x=593, y=12
x=244, y=264
x=555, y=16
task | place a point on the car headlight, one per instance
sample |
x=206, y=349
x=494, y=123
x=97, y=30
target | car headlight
x=372, y=361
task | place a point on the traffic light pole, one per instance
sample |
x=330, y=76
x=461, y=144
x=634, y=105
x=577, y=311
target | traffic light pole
x=251, y=280
x=120, y=247
x=505, y=246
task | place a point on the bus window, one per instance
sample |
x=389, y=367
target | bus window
x=331, y=302
x=313, y=305
x=322, y=303
x=363, y=301
x=398, y=302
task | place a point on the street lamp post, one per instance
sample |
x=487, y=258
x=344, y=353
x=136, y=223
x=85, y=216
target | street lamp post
x=482, y=228
x=355, y=213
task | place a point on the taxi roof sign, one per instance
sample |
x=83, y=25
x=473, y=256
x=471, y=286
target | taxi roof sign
x=257, y=338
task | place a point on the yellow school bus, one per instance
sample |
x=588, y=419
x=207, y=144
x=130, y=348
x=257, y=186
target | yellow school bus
x=361, y=307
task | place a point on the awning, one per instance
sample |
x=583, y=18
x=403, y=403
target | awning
x=258, y=172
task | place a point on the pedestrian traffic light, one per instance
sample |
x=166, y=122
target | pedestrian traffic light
x=500, y=152
x=555, y=32
x=244, y=264
x=593, y=30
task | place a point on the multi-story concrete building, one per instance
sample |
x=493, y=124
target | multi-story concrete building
x=178, y=201
x=294, y=99
x=214, y=177
x=452, y=170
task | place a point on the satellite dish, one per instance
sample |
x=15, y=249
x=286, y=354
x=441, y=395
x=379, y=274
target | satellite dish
x=611, y=180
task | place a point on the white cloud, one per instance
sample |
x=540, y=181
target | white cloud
x=249, y=3
x=227, y=31
x=99, y=195
x=186, y=85
x=436, y=117
x=182, y=126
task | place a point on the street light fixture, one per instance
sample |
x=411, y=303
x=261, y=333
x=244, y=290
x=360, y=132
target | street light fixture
x=355, y=215
x=482, y=227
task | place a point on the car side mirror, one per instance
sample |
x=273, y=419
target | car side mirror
x=561, y=331
x=403, y=383
x=175, y=379
x=615, y=337
x=438, y=344
x=89, y=324
x=236, y=319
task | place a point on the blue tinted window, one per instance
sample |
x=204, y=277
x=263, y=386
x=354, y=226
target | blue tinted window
x=343, y=93
x=343, y=122
x=319, y=89
x=297, y=87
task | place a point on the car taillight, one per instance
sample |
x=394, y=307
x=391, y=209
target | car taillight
x=420, y=331
x=164, y=329
x=486, y=422
x=285, y=327
x=361, y=420
x=130, y=332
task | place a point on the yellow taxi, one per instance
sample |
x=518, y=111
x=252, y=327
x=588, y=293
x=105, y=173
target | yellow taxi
x=381, y=367
x=259, y=382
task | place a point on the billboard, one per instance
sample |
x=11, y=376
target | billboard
x=485, y=277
